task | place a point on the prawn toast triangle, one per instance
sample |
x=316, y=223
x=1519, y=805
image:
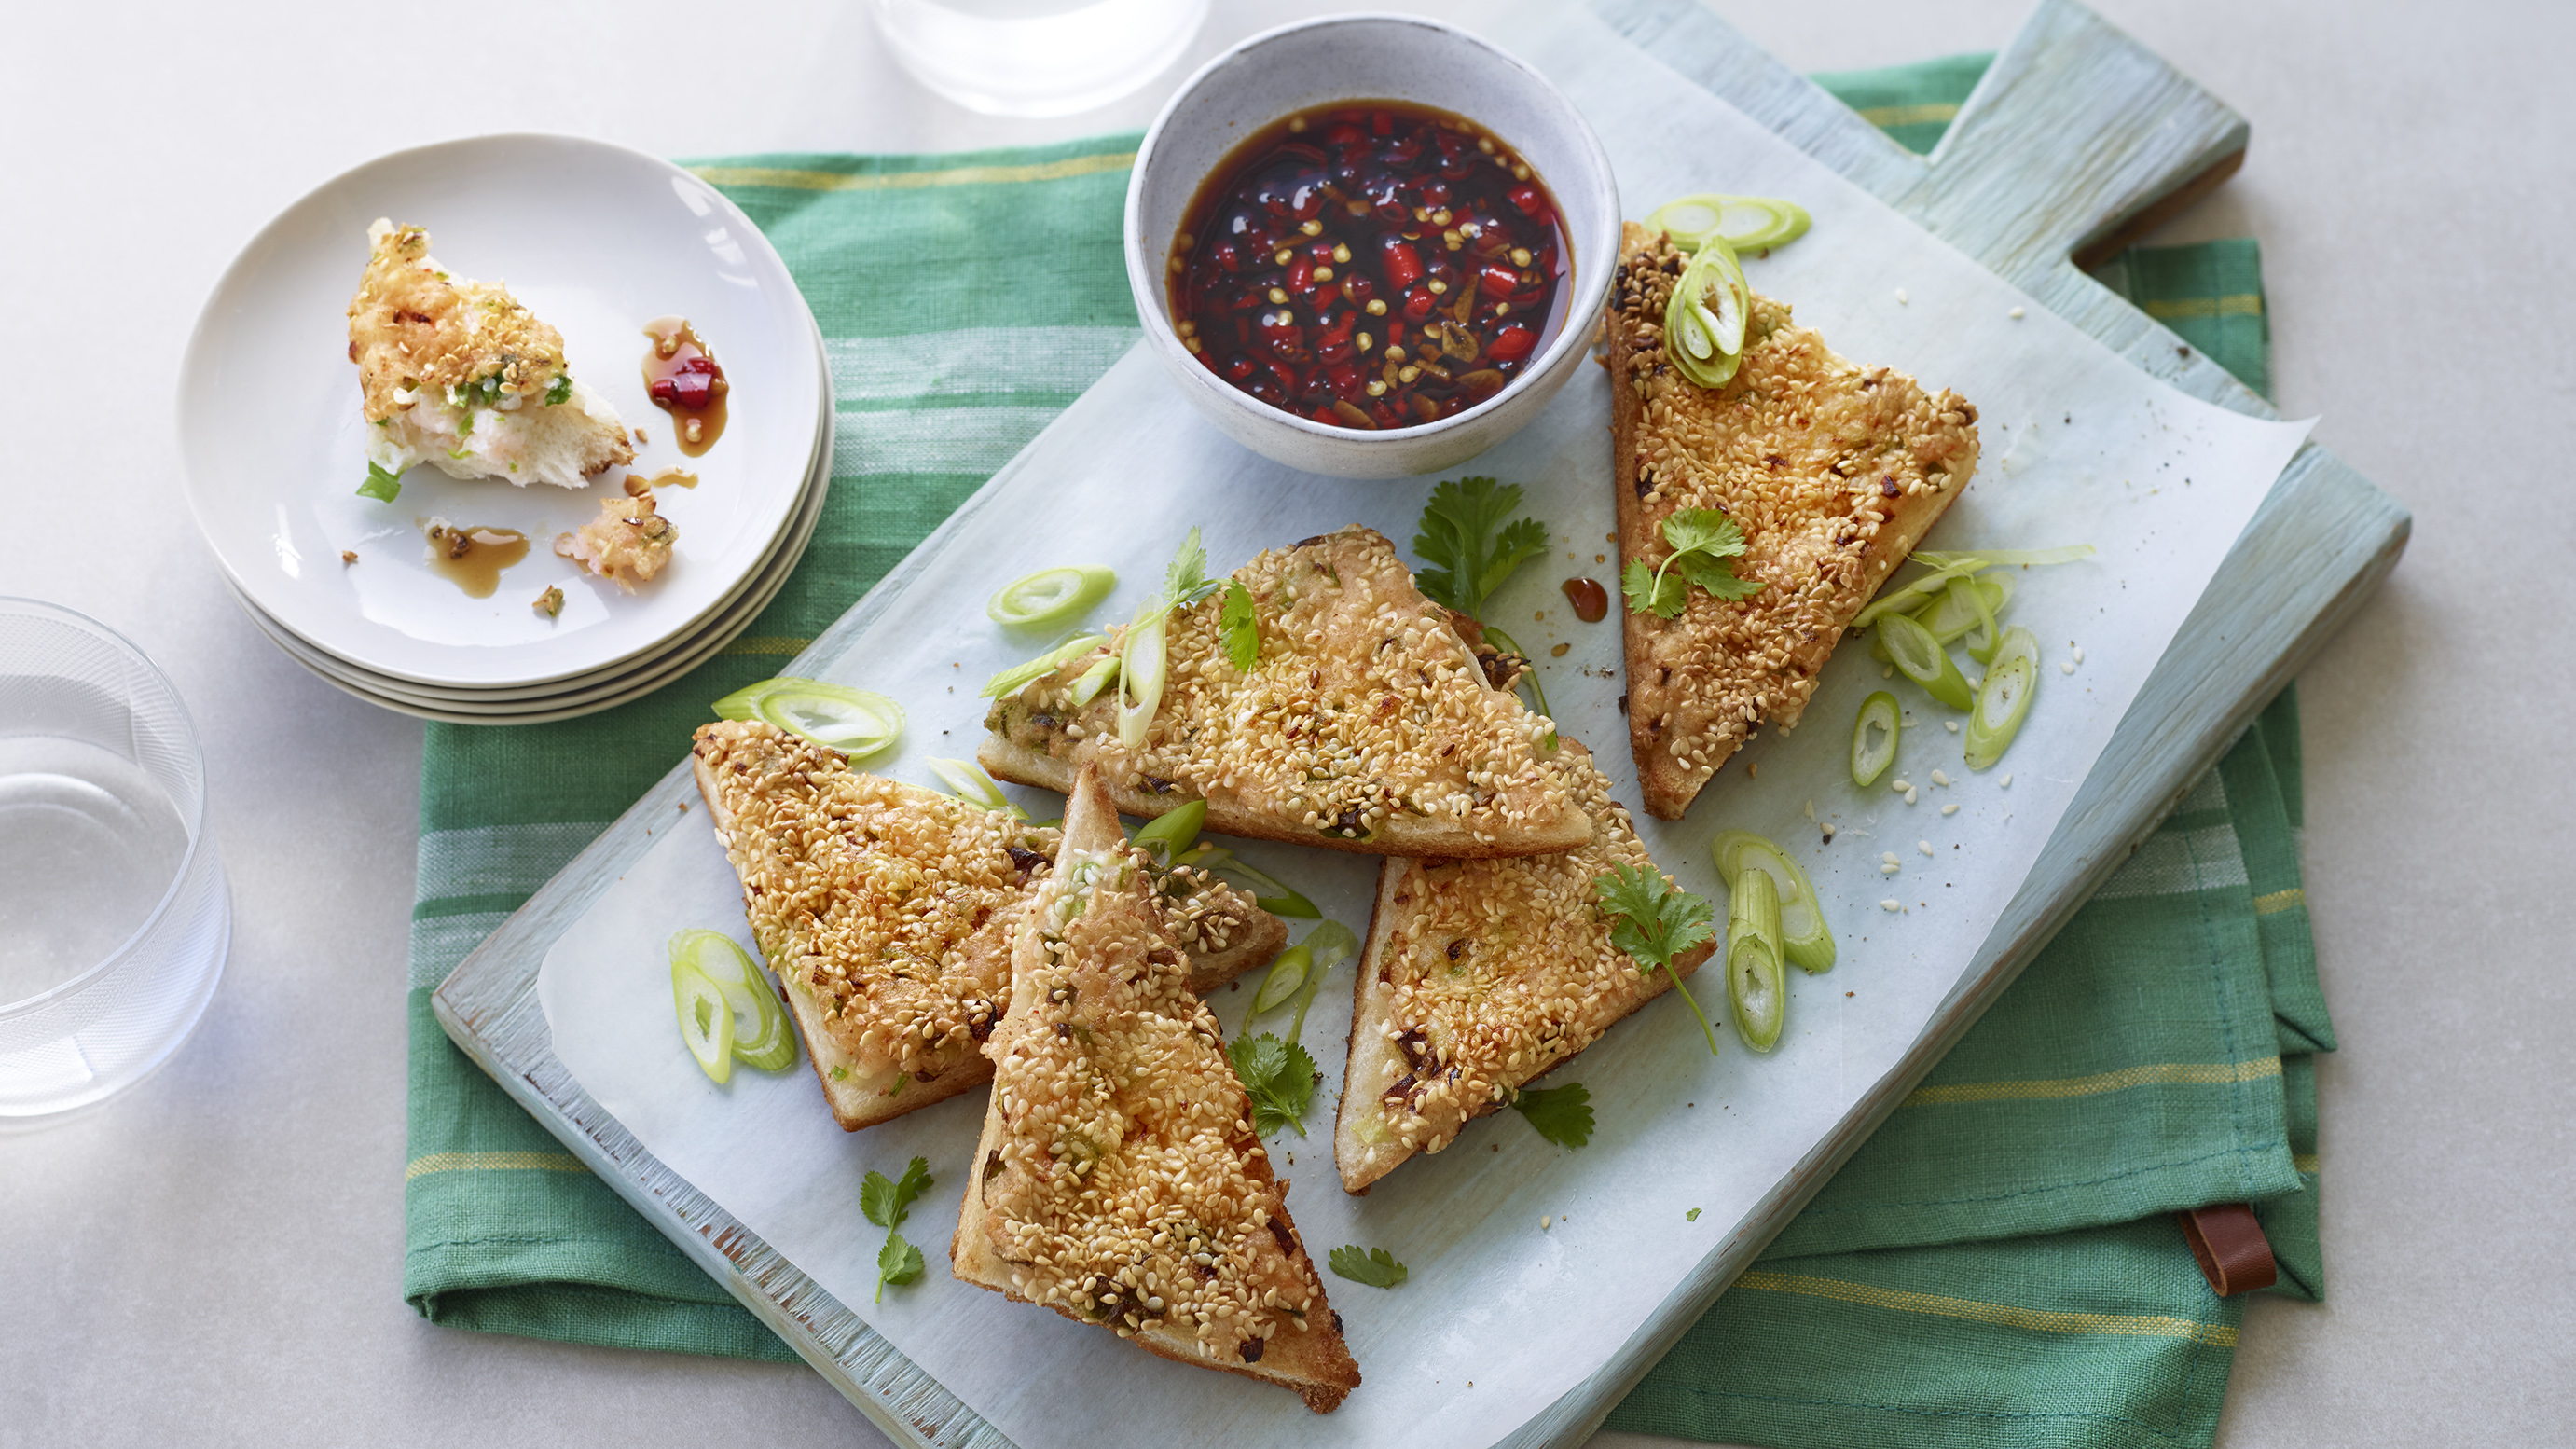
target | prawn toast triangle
x=1364, y=722
x=1833, y=471
x=1480, y=976
x=888, y=911
x=1119, y=1180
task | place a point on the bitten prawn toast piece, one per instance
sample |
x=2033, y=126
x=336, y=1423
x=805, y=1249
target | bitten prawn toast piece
x=1365, y=723
x=1834, y=472
x=888, y=911
x=1480, y=976
x=1119, y=1180
x=461, y=375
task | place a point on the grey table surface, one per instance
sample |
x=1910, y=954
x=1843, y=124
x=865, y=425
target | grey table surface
x=215, y=1258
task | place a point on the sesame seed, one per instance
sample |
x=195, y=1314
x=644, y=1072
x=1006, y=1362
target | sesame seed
x=1890, y=868
x=1887, y=671
x=1901, y=785
x=1951, y=725
x=1925, y=845
x=1544, y=1221
x=1950, y=809
x=1891, y=905
x=2006, y=782
x=1909, y=794
x=1901, y=298
x=2015, y=314
x=2079, y=650
x=1939, y=778
x=2066, y=666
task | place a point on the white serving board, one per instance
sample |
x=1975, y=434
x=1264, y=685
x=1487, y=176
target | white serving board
x=1866, y=1056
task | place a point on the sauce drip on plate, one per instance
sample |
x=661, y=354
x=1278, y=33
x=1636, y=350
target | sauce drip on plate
x=1591, y=601
x=472, y=558
x=684, y=379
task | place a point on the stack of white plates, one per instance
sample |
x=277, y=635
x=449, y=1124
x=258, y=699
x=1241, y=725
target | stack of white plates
x=597, y=241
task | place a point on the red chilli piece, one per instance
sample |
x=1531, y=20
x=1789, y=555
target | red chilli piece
x=1403, y=268
x=1526, y=197
x=1511, y=344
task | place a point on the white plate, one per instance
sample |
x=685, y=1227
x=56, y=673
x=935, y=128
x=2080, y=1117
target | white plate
x=523, y=581
x=597, y=240
x=585, y=696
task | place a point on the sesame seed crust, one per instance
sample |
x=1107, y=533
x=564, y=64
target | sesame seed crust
x=1479, y=977
x=1365, y=723
x=1119, y=1180
x=1834, y=471
x=889, y=911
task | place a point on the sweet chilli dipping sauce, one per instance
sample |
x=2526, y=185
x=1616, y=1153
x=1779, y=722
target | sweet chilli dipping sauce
x=1370, y=264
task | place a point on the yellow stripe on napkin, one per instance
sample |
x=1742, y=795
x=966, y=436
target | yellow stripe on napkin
x=787, y=180
x=2002, y=1315
x=2279, y=901
x=766, y=644
x=2242, y=304
x=2160, y=1074
x=1886, y=116
x=492, y=1162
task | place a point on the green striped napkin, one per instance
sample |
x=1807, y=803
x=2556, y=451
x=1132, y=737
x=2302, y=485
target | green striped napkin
x=1996, y=1264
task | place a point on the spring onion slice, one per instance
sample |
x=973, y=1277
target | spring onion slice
x=706, y=1020
x=1328, y=944
x=1140, y=678
x=1169, y=836
x=1019, y=676
x=1921, y=658
x=1710, y=297
x=1529, y=676
x=1804, y=937
x=1946, y=566
x=1746, y=223
x=967, y=781
x=1267, y=892
x=1970, y=594
x=1870, y=759
x=1050, y=596
x=1950, y=615
x=1757, y=990
x=1095, y=679
x=857, y=722
x=761, y=1034
x=2004, y=698
x=1287, y=975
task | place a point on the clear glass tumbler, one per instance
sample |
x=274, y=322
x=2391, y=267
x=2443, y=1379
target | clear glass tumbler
x=1037, y=57
x=114, y=917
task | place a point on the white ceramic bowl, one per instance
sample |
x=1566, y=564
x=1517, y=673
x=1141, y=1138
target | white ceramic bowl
x=1370, y=57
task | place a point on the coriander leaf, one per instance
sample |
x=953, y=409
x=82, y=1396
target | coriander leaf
x=1186, y=582
x=1704, y=530
x=380, y=485
x=1652, y=593
x=1280, y=1079
x=1465, y=536
x=1375, y=1267
x=1702, y=541
x=1241, y=631
x=1562, y=1115
x=559, y=391
x=898, y=1263
x=886, y=1200
x=1716, y=576
x=1257, y=1059
x=1653, y=923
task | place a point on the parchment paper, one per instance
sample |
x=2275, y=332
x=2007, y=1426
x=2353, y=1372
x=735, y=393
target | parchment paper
x=1501, y=1316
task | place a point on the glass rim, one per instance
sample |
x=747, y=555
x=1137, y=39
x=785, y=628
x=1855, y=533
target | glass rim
x=193, y=809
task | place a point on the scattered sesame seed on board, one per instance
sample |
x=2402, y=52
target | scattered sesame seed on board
x=2078, y=648
x=1938, y=778
x=1901, y=298
x=2014, y=314
x=2006, y=782
x=1951, y=725
x=1900, y=787
x=1910, y=794
x=1951, y=809
x=1891, y=905
x=1925, y=845
x=2066, y=666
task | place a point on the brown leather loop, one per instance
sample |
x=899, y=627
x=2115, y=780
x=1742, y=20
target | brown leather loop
x=2234, y=1256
